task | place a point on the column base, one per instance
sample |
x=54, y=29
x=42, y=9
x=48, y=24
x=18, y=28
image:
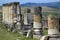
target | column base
x=52, y=31
x=50, y=37
x=37, y=36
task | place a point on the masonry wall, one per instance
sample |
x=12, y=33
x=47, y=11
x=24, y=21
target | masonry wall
x=7, y=14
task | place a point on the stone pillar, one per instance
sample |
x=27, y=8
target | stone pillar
x=37, y=23
x=52, y=25
x=6, y=15
x=26, y=16
x=18, y=13
x=18, y=18
x=52, y=29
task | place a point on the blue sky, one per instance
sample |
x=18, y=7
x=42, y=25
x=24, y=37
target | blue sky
x=25, y=1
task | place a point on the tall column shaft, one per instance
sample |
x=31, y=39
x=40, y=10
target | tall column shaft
x=52, y=28
x=27, y=11
x=25, y=19
x=18, y=13
x=18, y=18
x=52, y=25
x=37, y=26
x=37, y=23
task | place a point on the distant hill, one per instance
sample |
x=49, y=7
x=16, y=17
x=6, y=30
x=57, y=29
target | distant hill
x=52, y=4
x=0, y=7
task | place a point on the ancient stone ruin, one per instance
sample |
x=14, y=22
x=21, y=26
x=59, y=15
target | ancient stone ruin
x=37, y=23
x=53, y=33
x=29, y=25
x=12, y=16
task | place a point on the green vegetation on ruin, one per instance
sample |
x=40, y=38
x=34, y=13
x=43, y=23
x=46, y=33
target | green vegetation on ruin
x=6, y=35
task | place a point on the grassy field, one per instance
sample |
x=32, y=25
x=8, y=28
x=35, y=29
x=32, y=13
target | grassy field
x=5, y=35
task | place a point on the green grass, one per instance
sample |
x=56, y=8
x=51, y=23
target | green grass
x=1, y=15
x=5, y=35
x=45, y=32
x=54, y=13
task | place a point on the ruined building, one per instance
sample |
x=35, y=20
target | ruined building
x=11, y=14
x=53, y=24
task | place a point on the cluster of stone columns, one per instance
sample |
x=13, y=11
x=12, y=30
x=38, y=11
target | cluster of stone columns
x=36, y=31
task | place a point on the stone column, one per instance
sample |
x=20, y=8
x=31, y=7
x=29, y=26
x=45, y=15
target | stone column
x=18, y=13
x=18, y=18
x=52, y=29
x=14, y=15
x=52, y=25
x=37, y=23
x=26, y=16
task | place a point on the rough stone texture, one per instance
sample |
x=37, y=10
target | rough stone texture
x=37, y=18
x=52, y=29
x=37, y=24
x=52, y=22
x=30, y=33
x=50, y=37
x=11, y=14
x=25, y=19
x=26, y=16
x=53, y=37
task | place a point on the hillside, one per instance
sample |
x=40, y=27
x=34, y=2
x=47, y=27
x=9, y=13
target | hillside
x=51, y=10
x=51, y=4
x=0, y=8
x=45, y=10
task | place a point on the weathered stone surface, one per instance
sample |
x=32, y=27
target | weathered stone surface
x=37, y=18
x=37, y=23
x=27, y=17
x=30, y=33
x=11, y=14
x=50, y=37
x=52, y=29
x=52, y=22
